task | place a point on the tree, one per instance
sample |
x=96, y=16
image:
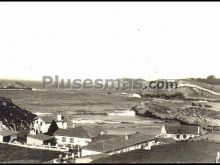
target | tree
x=211, y=77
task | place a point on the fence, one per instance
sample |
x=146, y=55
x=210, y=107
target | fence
x=42, y=147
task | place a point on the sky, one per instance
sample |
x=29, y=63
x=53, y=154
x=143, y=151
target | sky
x=73, y=40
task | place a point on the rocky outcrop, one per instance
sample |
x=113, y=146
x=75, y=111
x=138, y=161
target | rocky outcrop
x=184, y=114
x=14, y=117
x=14, y=85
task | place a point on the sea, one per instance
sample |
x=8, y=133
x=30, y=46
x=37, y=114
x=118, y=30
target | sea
x=83, y=106
x=111, y=110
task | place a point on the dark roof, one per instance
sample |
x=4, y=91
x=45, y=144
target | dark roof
x=81, y=132
x=117, y=143
x=41, y=137
x=181, y=129
x=104, y=137
x=8, y=133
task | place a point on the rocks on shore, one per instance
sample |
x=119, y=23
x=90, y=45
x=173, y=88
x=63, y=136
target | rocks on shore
x=184, y=113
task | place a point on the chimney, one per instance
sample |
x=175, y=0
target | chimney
x=127, y=136
x=59, y=117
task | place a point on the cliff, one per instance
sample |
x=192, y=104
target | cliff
x=14, y=117
x=182, y=112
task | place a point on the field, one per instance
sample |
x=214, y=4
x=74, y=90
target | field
x=216, y=88
x=181, y=152
x=15, y=154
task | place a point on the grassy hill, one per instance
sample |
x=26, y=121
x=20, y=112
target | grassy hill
x=181, y=152
x=215, y=88
x=16, y=154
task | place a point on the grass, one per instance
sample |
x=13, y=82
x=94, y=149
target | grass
x=216, y=88
x=16, y=154
x=181, y=152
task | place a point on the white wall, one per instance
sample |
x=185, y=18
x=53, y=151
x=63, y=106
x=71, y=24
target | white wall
x=89, y=152
x=77, y=141
x=62, y=124
x=33, y=141
x=174, y=136
x=1, y=138
x=135, y=147
x=37, y=126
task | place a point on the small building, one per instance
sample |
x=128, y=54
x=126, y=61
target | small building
x=117, y=144
x=8, y=136
x=40, y=139
x=81, y=135
x=180, y=132
x=43, y=123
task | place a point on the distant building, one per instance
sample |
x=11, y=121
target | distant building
x=81, y=135
x=180, y=132
x=8, y=136
x=42, y=124
x=40, y=139
x=110, y=144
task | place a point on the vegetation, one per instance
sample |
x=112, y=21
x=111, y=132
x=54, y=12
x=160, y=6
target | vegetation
x=209, y=80
x=16, y=153
x=14, y=117
x=185, y=152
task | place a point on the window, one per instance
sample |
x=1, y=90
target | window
x=37, y=122
x=71, y=140
x=63, y=139
x=178, y=136
x=184, y=136
x=41, y=123
x=40, y=131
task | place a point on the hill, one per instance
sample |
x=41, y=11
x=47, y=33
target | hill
x=14, y=117
x=181, y=152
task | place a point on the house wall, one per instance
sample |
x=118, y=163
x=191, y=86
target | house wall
x=62, y=124
x=179, y=137
x=1, y=138
x=89, y=152
x=12, y=137
x=163, y=130
x=39, y=126
x=150, y=144
x=76, y=140
x=130, y=148
x=32, y=141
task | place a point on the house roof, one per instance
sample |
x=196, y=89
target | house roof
x=8, y=133
x=105, y=137
x=181, y=129
x=117, y=143
x=81, y=132
x=42, y=137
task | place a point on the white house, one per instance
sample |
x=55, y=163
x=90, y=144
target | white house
x=8, y=136
x=180, y=132
x=81, y=135
x=117, y=144
x=40, y=139
x=41, y=124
